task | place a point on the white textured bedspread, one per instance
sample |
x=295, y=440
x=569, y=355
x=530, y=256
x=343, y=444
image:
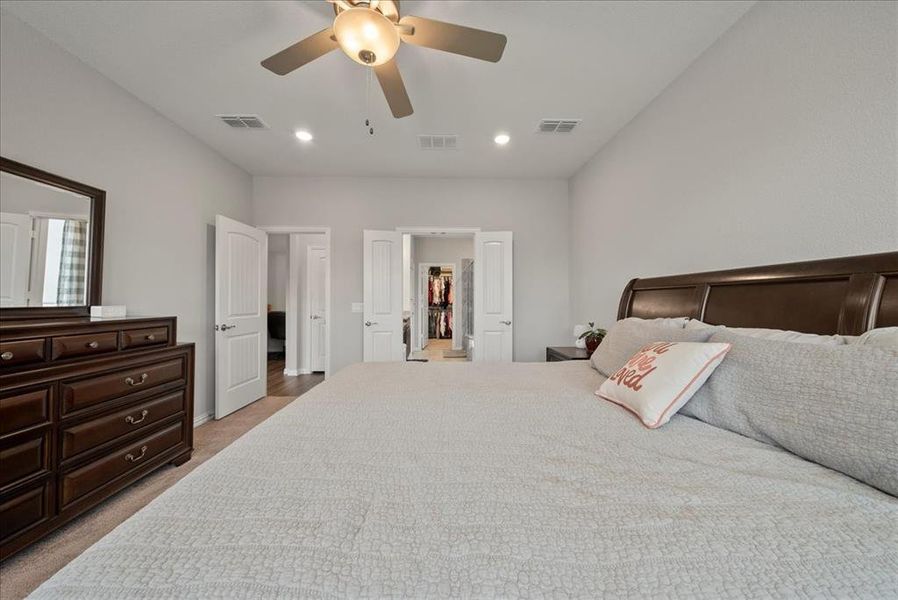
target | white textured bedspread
x=437, y=480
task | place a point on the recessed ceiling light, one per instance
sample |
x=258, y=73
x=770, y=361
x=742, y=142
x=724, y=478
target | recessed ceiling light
x=502, y=139
x=304, y=136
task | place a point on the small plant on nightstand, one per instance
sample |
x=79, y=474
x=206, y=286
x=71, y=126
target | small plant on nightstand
x=593, y=337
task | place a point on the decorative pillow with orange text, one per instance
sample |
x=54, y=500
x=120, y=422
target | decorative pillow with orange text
x=661, y=377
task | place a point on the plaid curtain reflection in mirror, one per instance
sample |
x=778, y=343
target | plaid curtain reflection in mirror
x=72, y=264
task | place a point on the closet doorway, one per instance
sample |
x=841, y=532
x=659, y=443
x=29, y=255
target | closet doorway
x=438, y=319
x=396, y=310
x=437, y=303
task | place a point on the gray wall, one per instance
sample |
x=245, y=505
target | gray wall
x=535, y=210
x=163, y=187
x=442, y=249
x=777, y=144
x=21, y=195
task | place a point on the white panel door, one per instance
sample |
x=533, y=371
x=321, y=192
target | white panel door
x=15, y=258
x=241, y=297
x=493, y=301
x=317, y=271
x=383, y=296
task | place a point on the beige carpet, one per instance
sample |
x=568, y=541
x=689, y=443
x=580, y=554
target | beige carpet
x=22, y=573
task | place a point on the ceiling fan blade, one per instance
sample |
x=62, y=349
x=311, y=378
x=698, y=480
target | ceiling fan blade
x=341, y=3
x=391, y=83
x=302, y=52
x=457, y=39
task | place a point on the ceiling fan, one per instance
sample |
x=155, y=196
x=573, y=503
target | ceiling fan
x=369, y=32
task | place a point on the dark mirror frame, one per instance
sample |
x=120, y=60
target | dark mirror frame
x=94, y=286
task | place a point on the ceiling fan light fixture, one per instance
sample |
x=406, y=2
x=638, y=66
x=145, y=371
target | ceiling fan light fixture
x=502, y=139
x=366, y=36
x=304, y=136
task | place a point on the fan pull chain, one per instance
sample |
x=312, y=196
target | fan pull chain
x=368, y=124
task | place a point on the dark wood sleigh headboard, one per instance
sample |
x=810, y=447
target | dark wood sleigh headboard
x=846, y=296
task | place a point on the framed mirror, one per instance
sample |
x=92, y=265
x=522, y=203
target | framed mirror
x=51, y=244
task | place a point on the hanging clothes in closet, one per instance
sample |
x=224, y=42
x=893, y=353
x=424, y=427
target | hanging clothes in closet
x=440, y=300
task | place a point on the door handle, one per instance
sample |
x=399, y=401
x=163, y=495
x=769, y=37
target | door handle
x=143, y=378
x=224, y=327
x=131, y=420
x=131, y=458
x=505, y=322
x=370, y=323
x=316, y=317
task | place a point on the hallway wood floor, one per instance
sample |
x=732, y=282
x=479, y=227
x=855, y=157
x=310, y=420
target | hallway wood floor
x=284, y=385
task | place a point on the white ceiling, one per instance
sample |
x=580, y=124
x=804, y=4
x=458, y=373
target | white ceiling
x=597, y=61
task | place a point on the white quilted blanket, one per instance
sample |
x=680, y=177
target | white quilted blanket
x=458, y=480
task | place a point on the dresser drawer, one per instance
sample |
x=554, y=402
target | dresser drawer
x=84, y=436
x=94, y=475
x=24, y=510
x=24, y=409
x=21, y=352
x=23, y=458
x=138, y=338
x=83, y=393
x=70, y=346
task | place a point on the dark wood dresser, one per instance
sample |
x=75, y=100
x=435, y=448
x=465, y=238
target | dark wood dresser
x=87, y=407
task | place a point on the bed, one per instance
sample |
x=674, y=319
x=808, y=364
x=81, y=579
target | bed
x=513, y=480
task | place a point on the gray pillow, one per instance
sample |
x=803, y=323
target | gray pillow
x=834, y=405
x=627, y=336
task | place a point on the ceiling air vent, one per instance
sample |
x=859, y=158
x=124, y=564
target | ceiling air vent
x=243, y=121
x=557, y=125
x=438, y=142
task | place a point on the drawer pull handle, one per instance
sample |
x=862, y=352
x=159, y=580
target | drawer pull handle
x=93, y=345
x=131, y=458
x=7, y=355
x=131, y=420
x=151, y=337
x=130, y=380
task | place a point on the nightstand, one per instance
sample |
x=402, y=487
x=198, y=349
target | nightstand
x=559, y=353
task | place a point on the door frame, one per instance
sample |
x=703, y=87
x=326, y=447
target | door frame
x=435, y=231
x=326, y=231
x=423, y=268
x=306, y=340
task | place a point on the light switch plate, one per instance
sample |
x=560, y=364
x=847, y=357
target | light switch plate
x=358, y=307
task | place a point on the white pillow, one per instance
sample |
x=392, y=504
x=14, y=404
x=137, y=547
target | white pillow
x=881, y=337
x=627, y=336
x=661, y=377
x=782, y=335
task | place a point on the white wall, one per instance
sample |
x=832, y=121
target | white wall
x=278, y=253
x=163, y=187
x=443, y=249
x=24, y=196
x=278, y=259
x=778, y=144
x=535, y=210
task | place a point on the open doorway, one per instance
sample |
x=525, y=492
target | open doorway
x=298, y=302
x=395, y=311
x=438, y=303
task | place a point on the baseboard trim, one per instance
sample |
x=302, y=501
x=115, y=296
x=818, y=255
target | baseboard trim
x=292, y=372
x=305, y=372
x=197, y=421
